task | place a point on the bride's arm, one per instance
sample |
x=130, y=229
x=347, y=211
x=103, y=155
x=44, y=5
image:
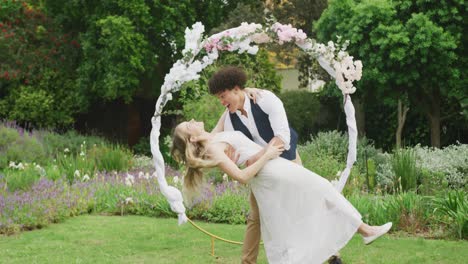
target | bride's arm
x=244, y=175
x=275, y=141
x=220, y=125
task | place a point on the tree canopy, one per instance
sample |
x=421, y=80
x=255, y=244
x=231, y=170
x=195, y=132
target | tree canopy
x=410, y=49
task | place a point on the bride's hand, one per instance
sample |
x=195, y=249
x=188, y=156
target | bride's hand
x=253, y=93
x=272, y=151
x=231, y=153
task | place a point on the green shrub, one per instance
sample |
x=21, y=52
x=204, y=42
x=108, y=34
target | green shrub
x=75, y=167
x=143, y=147
x=142, y=163
x=32, y=105
x=15, y=147
x=228, y=208
x=55, y=143
x=122, y=199
x=21, y=179
x=432, y=182
x=7, y=137
x=325, y=166
x=415, y=211
x=371, y=174
x=451, y=161
x=375, y=210
x=408, y=211
x=335, y=143
x=356, y=183
x=26, y=149
x=453, y=209
x=166, y=151
x=111, y=158
x=52, y=172
x=99, y=158
x=303, y=111
x=406, y=171
x=385, y=173
x=206, y=108
x=326, y=153
x=331, y=143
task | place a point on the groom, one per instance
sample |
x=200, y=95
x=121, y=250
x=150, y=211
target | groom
x=263, y=122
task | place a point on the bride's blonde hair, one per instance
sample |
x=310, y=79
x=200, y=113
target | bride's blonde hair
x=193, y=155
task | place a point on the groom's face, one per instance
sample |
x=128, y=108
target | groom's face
x=232, y=99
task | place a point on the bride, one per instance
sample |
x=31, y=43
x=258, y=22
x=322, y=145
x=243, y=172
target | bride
x=303, y=218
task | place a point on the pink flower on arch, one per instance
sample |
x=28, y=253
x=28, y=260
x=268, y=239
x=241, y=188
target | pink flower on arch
x=288, y=33
x=211, y=44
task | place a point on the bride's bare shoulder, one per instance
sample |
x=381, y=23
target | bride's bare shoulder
x=216, y=147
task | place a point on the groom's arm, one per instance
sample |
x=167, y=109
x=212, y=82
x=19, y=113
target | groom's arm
x=274, y=108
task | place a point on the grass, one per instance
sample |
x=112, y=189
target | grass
x=137, y=239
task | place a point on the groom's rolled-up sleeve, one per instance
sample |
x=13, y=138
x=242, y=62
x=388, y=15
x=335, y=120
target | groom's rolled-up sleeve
x=273, y=106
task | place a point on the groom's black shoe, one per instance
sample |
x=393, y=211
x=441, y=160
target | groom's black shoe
x=335, y=260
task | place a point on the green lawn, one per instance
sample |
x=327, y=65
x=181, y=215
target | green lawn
x=136, y=239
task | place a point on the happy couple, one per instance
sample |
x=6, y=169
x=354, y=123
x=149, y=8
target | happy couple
x=301, y=217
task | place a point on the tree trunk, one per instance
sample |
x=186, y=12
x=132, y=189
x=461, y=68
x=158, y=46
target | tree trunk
x=360, y=117
x=402, y=111
x=434, y=120
x=435, y=130
x=133, y=125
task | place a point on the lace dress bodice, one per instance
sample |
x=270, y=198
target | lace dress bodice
x=245, y=147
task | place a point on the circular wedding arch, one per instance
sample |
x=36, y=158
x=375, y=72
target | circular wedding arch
x=200, y=52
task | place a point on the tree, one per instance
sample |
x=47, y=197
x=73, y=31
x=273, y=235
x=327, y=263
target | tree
x=59, y=57
x=36, y=69
x=431, y=64
x=251, y=12
x=300, y=13
x=128, y=44
x=405, y=54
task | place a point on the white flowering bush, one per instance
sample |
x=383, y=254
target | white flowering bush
x=439, y=169
x=451, y=161
x=385, y=174
x=142, y=162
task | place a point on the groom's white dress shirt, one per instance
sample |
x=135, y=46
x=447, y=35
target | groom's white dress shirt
x=273, y=107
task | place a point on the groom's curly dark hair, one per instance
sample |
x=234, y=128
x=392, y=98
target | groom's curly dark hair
x=226, y=79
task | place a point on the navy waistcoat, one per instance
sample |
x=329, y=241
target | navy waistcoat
x=264, y=129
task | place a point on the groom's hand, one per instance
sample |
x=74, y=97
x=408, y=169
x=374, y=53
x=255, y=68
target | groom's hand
x=253, y=93
x=273, y=150
x=276, y=141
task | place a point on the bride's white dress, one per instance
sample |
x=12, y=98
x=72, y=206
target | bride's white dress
x=303, y=218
